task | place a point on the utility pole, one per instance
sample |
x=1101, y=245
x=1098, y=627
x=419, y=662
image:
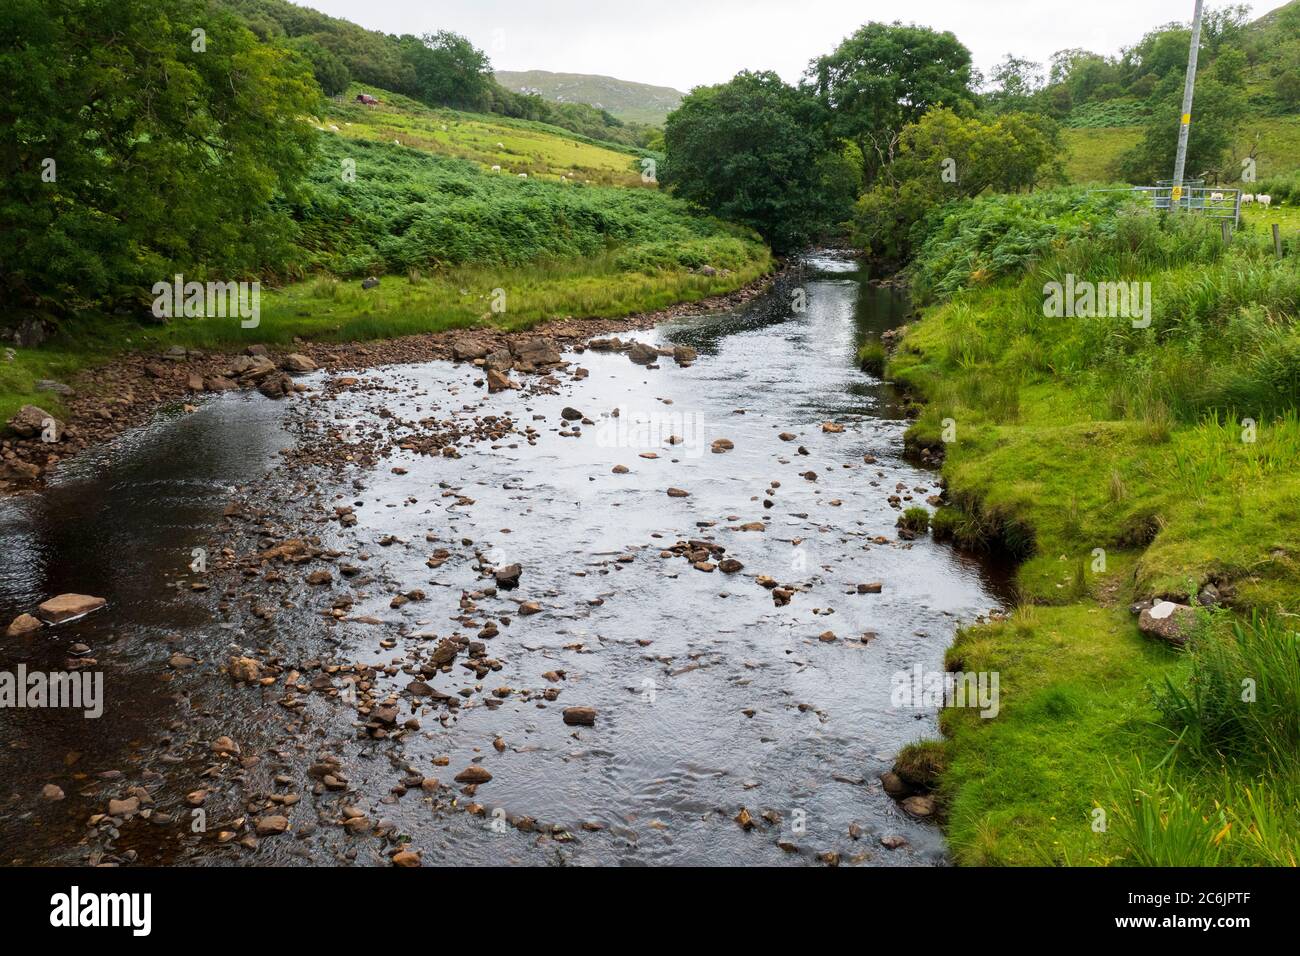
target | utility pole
x=1185, y=124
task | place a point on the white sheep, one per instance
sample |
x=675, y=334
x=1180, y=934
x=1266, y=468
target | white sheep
x=333, y=128
x=501, y=145
x=1247, y=198
x=523, y=175
x=1264, y=201
x=397, y=142
x=496, y=169
x=1216, y=197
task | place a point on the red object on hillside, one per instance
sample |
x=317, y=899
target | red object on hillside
x=367, y=99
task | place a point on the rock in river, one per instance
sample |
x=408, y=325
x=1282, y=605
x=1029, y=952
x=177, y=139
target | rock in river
x=580, y=716
x=66, y=607
x=473, y=774
x=23, y=624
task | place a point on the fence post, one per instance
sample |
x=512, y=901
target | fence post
x=1227, y=232
x=1277, y=240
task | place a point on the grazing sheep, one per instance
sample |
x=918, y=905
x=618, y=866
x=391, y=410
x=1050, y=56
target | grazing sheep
x=333, y=128
x=397, y=142
x=1247, y=198
x=501, y=145
x=1216, y=197
x=1264, y=201
x=496, y=169
x=523, y=175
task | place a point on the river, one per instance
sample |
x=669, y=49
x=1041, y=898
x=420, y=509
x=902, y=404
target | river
x=709, y=695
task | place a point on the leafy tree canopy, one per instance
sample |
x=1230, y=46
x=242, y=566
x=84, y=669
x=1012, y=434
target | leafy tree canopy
x=885, y=76
x=753, y=150
x=132, y=146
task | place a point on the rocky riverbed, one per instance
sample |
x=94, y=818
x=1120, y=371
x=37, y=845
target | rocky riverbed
x=632, y=597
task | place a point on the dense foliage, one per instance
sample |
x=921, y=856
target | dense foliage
x=944, y=158
x=753, y=150
x=132, y=147
x=407, y=209
x=884, y=77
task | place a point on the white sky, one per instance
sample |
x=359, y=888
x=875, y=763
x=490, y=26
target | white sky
x=685, y=43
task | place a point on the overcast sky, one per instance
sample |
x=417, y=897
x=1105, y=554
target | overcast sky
x=685, y=43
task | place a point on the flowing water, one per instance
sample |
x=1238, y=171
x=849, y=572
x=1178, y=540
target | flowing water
x=710, y=697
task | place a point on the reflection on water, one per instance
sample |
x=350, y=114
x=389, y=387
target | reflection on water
x=710, y=696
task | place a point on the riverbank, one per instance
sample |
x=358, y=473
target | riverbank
x=110, y=374
x=1124, y=465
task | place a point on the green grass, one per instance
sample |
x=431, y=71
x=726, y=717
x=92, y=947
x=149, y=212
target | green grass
x=1113, y=461
x=538, y=149
x=1091, y=152
x=328, y=309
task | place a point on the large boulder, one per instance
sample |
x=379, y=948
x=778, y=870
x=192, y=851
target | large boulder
x=498, y=381
x=535, y=353
x=1169, y=622
x=31, y=420
x=643, y=354
x=296, y=363
x=66, y=607
x=277, y=385
x=467, y=350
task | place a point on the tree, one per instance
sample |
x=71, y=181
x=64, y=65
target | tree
x=885, y=76
x=1015, y=83
x=330, y=71
x=1215, y=117
x=754, y=150
x=132, y=147
x=449, y=70
x=946, y=157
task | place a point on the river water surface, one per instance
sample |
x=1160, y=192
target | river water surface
x=710, y=696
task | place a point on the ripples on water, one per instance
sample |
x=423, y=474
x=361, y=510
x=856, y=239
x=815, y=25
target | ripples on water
x=672, y=658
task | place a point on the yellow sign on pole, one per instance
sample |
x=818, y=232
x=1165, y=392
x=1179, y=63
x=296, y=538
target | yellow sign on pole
x=1178, y=193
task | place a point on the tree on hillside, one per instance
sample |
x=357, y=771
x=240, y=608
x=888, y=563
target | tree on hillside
x=132, y=147
x=1014, y=84
x=330, y=70
x=754, y=151
x=946, y=157
x=885, y=76
x=1217, y=113
x=449, y=70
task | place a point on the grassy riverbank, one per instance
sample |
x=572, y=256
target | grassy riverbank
x=1118, y=462
x=330, y=309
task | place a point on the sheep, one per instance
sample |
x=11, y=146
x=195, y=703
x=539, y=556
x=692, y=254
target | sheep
x=1247, y=198
x=397, y=142
x=1264, y=201
x=496, y=169
x=501, y=145
x=523, y=175
x=333, y=128
x=1216, y=197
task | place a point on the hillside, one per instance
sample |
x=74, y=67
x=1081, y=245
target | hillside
x=517, y=146
x=634, y=102
x=1091, y=152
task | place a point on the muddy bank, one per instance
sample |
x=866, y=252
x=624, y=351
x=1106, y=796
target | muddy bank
x=123, y=393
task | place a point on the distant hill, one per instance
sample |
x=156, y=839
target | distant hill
x=634, y=102
x=1271, y=18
